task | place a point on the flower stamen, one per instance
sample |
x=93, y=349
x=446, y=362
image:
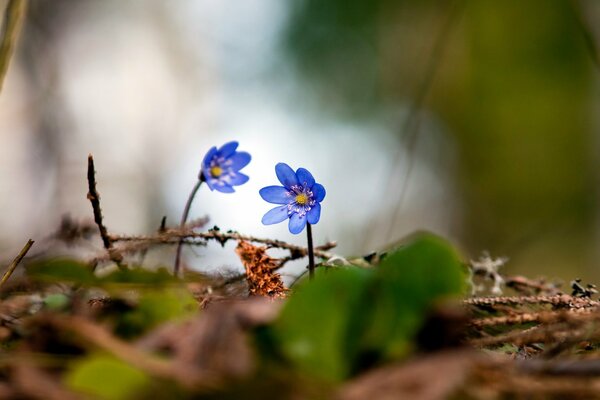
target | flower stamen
x=216, y=171
x=302, y=199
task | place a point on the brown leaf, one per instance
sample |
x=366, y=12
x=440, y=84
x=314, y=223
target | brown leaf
x=260, y=271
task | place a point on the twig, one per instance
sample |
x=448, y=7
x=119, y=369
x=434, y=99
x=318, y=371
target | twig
x=16, y=261
x=13, y=22
x=173, y=236
x=536, y=317
x=559, y=300
x=94, y=198
x=187, y=375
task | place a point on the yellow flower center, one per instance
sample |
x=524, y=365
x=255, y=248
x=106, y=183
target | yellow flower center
x=216, y=171
x=301, y=199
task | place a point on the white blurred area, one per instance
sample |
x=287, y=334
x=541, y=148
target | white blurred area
x=148, y=87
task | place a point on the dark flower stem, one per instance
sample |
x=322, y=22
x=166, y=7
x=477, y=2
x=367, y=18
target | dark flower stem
x=184, y=218
x=311, y=252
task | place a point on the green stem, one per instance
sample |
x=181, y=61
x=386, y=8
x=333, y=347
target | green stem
x=184, y=218
x=311, y=252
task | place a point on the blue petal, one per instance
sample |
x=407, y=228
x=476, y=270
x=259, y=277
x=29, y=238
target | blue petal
x=228, y=149
x=275, y=194
x=314, y=214
x=275, y=215
x=210, y=182
x=297, y=223
x=239, y=160
x=238, y=179
x=305, y=177
x=318, y=191
x=223, y=188
x=286, y=175
x=208, y=157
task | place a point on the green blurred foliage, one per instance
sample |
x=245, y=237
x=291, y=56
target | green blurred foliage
x=71, y=271
x=155, y=307
x=514, y=88
x=105, y=377
x=350, y=318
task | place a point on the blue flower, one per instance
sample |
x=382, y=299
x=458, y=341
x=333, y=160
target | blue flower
x=300, y=198
x=221, y=167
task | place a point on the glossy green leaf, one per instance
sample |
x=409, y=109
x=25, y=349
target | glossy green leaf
x=62, y=270
x=407, y=284
x=105, y=377
x=155, y=307
x=313, y=326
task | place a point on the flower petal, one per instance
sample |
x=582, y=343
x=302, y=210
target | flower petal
x=208, y=157
x=312, y=217
x=239, y=160
x=305, y=177
x=275, y=215
x=297, y=223
x=286, y=175
x=222, y=187
x=238, y=179
x=275, y=194
x=318, y=191
x=228, y=149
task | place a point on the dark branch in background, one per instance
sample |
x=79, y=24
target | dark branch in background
x=13, y=21
x=94, y=198
x=16, y=262
x=588, y=37
x=410, y=129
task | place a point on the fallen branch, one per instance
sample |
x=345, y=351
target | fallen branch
x=16, y=261
x=174, y=235
x=94, y=198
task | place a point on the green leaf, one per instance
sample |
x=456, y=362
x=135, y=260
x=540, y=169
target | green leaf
x=62, y=270
x=349, y=318
x=56, y=301
x=140, y=276
x=315, y=321
x=106, y=377
x=407, y=284
x=155, y=307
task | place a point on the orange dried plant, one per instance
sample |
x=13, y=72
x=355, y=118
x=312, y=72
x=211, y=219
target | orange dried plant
x=260, y=271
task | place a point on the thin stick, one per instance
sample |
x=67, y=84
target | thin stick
x=311, y=254
x=13, y=21
x=16, y=261
x=94, y=198
x=173, y=235
x=184, y=218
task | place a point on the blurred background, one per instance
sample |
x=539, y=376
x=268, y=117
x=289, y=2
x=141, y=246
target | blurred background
x=475, y=119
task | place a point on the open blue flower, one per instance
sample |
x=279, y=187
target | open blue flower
x=300, y=198
x=221, y=167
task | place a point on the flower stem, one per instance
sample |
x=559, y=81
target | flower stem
x=311, y=252
x=184, y=218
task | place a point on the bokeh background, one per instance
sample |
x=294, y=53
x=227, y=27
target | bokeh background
x=475, y=119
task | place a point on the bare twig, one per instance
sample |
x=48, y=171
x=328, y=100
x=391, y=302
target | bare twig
x=559, y=300
x=173, y=236
x=187, y=375
x=94, y=198
x=13, y=22
x=16, y=262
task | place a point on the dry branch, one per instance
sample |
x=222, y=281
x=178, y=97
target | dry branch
x=16, y=262
x=94, y=198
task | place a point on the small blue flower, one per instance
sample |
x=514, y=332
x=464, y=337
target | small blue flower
x=300, y=197
x=221, y=167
